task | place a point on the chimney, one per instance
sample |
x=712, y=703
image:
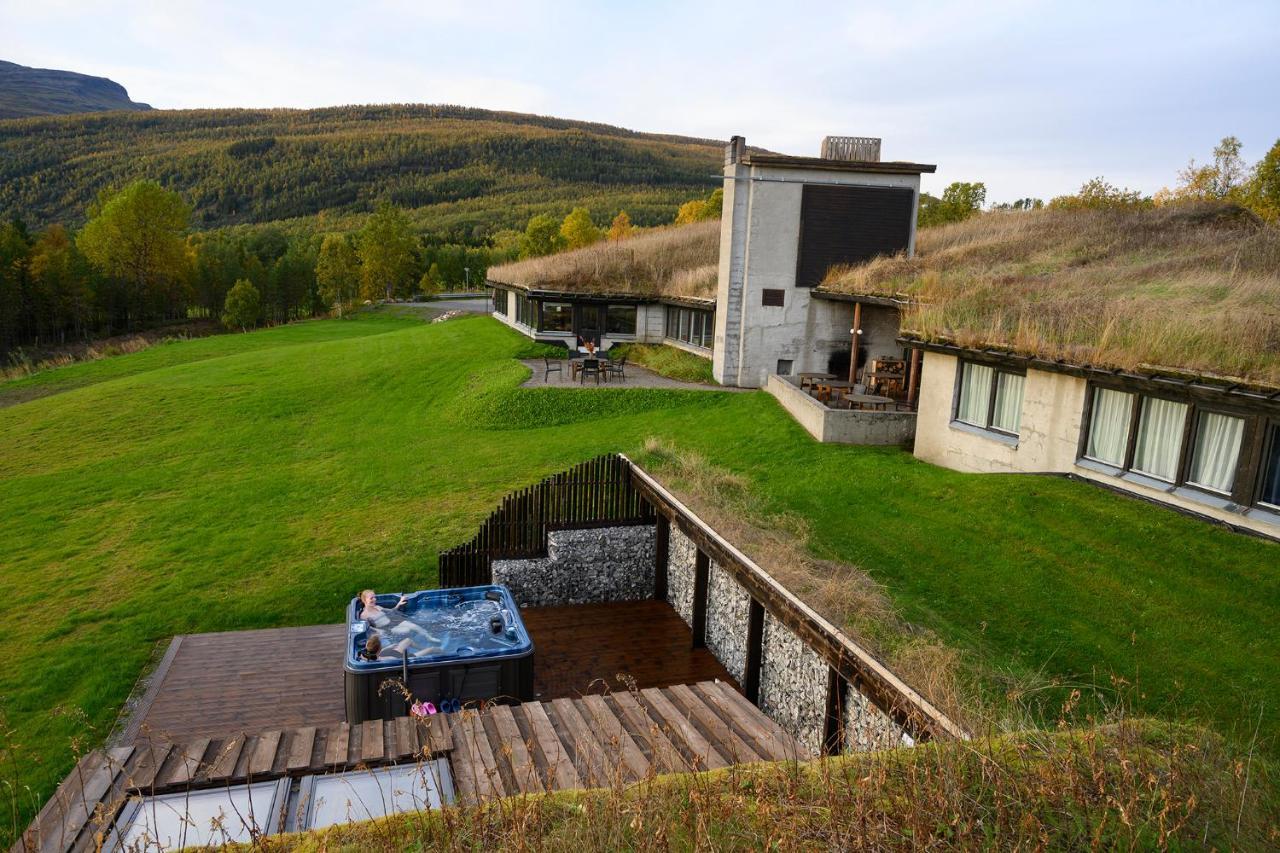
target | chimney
x=734, y=151
x=864, y=149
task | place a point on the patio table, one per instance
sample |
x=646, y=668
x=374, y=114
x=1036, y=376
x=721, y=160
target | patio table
x=825, y=387
x=868, y=401
x=807, y=379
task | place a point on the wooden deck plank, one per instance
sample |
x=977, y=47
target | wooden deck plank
x=727, y=741
x=770, y=742
x=614, y=736
x=790, y=745
x=523, y=769
x=663, y=753
x=593, y=764
x=406, y=737
x=464, y=767
x=696, y=749
x=149, y=759
x=561, y=774
x=483, y=766
x=187, y=762
x=224, y=764
x=371, y=740
x=236, y=688
x=263, y=757
x=300, y=748
x=335, y=751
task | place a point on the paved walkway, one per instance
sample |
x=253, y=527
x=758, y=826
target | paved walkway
x=637, y=377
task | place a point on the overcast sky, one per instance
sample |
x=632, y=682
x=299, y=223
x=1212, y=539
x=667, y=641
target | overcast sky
x=1030, y=97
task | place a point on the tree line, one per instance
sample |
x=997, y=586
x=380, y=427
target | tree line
x=1225, y=177
x=135, y=264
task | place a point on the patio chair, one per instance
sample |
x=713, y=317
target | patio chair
x=590, y=367
x=619, y=368
x=551, y=367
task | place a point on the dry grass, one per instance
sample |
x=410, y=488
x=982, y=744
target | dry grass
x=1193, y=287
x=1120, y=786
x=676, y=261
x=843, y=593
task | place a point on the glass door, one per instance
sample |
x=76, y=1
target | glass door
x=588, y=322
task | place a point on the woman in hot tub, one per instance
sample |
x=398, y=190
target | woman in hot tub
x=391, y=621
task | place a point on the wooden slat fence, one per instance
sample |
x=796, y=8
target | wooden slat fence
x=595, y=493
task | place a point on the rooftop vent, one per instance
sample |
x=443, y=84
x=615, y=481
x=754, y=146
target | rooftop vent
x=862, y=148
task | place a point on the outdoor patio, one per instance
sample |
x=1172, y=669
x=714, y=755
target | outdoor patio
x=636, y=377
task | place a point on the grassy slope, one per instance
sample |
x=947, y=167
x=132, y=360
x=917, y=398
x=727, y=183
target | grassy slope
x=257, y=480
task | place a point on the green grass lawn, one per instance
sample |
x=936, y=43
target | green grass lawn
x=260, y=480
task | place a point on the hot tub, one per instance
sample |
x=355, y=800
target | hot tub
x=466, y=645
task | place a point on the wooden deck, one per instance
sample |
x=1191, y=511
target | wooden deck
x=281, y=678
x=504, y=750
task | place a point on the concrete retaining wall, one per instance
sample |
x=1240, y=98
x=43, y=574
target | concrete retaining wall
x=584, y=567
x=841, y=426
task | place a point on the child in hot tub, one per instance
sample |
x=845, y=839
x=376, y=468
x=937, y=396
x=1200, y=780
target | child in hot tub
x=373, y=649
x=391, y=621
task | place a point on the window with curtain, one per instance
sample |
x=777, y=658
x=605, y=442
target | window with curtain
x=1216, y=451
x=1271, y=470
x=1109, y=426
x=1007, y=414
x=975, y=394
x=1159, y=444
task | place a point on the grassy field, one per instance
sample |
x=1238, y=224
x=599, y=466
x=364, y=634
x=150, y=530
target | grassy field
x=260, y=480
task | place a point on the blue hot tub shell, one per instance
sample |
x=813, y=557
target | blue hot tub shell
x=469, y=645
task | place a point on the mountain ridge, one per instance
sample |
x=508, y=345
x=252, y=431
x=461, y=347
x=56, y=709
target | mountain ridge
x=26, y=92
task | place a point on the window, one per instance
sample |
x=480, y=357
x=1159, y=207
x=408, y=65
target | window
x=1149, y=435
x=1159, y=444
x=1109, y=426
x=524, y=310
x=990, y=398
x=1271, y=470
x=500, y=301
x=773, y=298
x=557, y=317
x=1216, y=451
x=620, y=320
x=366, y=794
x=691, y=325
x=201, y=818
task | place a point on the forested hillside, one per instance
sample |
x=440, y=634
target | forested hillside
x=43, y=91
x=462, y=173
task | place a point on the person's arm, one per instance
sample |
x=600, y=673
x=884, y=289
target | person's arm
x=404, y=599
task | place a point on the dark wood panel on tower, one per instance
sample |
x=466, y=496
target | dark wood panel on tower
x=846, y=225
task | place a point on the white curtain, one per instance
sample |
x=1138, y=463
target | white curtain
x=1160, y=438
x=1217, y=449
x=1008, y=413
x=1109, y=426
x=975, y=394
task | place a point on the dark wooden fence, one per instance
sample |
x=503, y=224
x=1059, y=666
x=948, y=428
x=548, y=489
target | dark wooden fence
x=596, y=493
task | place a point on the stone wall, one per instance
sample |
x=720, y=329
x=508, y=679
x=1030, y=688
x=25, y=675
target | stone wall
x=585, y=567
x=728, y=609
x=793, y=684
x=681, y=556
x=866, y=727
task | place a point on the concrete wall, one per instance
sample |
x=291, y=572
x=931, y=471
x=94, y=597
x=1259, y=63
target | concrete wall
x=1049, y=441
x=841, y=426
x=584, y=567
x=759, y=248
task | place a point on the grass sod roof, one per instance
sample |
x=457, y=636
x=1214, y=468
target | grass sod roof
x=679, y=261
x=1191, y=288
x=1139, y=784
